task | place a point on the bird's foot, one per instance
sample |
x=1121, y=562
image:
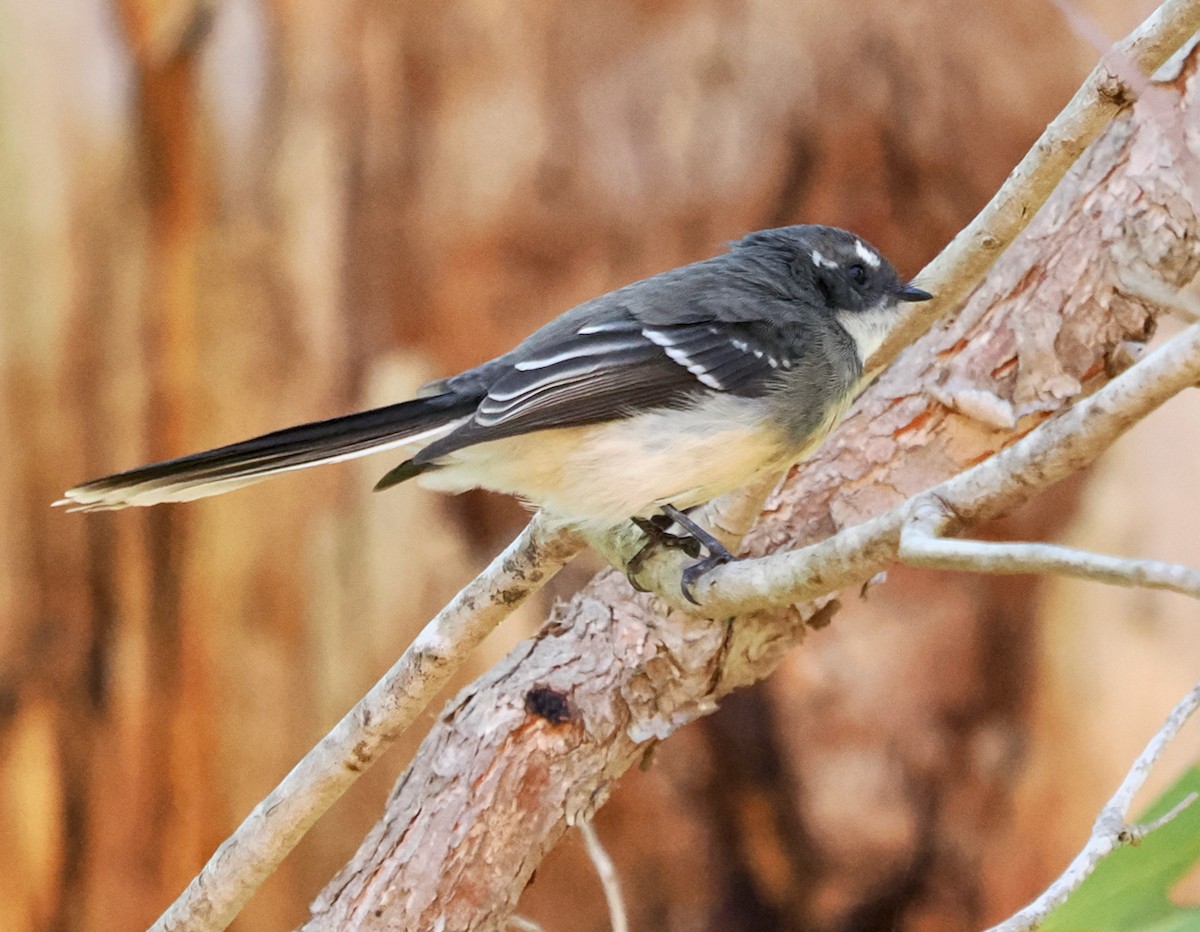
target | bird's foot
x=696, y=539
x=717, y=554
x=657, y=535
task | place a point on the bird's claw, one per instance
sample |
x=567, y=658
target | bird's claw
x=657, y=536
x=693, y=571
x=696, y=540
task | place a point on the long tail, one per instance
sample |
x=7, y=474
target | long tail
x=225, y=468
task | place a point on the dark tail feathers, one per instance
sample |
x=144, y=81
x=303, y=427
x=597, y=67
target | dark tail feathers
x=239, y=464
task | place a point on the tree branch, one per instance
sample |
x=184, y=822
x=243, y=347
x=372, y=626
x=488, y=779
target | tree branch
x=241, y=864
x=921, y=544
x=276, y=824
x=962, y=264
x=1046, y=455
x=607, y=873
x=495, y=785
x=1111, y=831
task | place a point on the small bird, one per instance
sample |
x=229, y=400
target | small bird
x=639, y=404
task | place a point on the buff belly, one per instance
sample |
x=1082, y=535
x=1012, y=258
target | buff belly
x=604, y=474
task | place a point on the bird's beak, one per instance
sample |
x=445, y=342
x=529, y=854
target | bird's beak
x=912, y=293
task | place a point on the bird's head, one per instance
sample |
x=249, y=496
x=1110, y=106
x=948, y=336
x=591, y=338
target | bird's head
x=842, y=274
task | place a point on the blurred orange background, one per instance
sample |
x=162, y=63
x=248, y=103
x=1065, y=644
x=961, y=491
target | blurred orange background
x=218, y=219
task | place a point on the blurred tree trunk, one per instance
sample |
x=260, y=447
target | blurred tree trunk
x=220, y=219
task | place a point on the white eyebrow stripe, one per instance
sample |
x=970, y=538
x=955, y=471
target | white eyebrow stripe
x=867, y=255
x=819, y=259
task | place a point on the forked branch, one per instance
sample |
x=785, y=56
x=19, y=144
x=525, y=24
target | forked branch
x=248, y=857
x=630, y=671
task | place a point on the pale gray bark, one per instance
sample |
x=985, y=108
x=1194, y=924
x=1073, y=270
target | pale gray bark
x=496, y=784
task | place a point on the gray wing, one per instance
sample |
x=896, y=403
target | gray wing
x=614, y=368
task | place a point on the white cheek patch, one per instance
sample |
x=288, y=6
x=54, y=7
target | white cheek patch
x=867, y=255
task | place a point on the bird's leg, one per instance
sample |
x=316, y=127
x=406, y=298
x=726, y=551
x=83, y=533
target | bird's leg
x=656, y=530
x=717, y=553
x=657, y=535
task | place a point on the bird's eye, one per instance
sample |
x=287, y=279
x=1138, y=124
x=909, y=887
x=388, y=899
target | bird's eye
x=857, y=274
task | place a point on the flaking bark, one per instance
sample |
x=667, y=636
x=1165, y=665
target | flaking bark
x=494, y=786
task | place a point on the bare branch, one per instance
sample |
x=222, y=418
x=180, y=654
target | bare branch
x=511, y=784
x=521, y=924
x=1084, y=25
x=1135, y=833
x=1153, y=290
x=1046, y=455
x=276, y=824
x=960, y=266
x=607, y=873
x=1110, y=830
x=921, y=544
x=243, y=861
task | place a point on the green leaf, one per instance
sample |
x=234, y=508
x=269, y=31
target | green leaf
x=1130, y=889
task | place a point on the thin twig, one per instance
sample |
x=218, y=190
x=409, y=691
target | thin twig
x=521, y=924
x=1110, y=830
x=964, y=262
x=1084, y=25
x=1134, y=834
x=1156, y=291
x=921, y=544
x=242, y=863
x=272, y=829
x=607, y=872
